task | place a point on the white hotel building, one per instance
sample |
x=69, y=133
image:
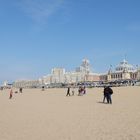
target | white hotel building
x=81, y=74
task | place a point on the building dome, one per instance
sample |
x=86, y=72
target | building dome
x=85, y=62
x=124, y=66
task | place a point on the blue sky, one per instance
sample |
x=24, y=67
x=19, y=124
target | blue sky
x=37, y=35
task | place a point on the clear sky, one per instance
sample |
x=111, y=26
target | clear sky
x=37, y=35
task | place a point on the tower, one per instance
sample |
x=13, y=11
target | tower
x=125, y=74
x=109, y=74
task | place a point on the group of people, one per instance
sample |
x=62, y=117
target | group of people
x=11, y=92
x=81, y=91
x=107, y=94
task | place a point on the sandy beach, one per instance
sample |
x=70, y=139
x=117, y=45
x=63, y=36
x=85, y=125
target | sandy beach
x=50, y=115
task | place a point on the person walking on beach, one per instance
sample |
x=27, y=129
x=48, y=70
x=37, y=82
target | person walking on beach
x=11, y=94
x=79, y=91
x=68, y=91
x=109, y=95
x=105, y=94
x=108, y=92
x=84, y=90
x=43, y=88
x=20, y=90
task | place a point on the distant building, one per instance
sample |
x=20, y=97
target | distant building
x=124, y=71
x=92, y=77
x=27, y=83
x=81, y=74
x=57, y=75
x=85, y=67
x=5, y=83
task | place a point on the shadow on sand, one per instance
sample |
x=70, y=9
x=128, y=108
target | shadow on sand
x=101, y=102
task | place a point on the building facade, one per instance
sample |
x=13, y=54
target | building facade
x=27, y=83
x=124, y=71
x=82, y=73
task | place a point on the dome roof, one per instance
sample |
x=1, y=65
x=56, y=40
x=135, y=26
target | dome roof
x=124, y=66
x=85, y=61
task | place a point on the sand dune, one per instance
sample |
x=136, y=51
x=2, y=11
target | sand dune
x=50, y=115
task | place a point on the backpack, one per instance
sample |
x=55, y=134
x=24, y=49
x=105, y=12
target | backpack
x=110, y=91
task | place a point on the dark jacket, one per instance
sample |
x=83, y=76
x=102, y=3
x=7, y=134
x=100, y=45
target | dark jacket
x=108, y=90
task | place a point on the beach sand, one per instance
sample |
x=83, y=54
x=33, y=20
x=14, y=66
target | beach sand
x=50, y=115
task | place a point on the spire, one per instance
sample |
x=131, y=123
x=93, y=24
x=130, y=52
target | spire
x=124, y=60
x=125, y=57
x=110, y=70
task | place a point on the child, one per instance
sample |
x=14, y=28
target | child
x=73, y=91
